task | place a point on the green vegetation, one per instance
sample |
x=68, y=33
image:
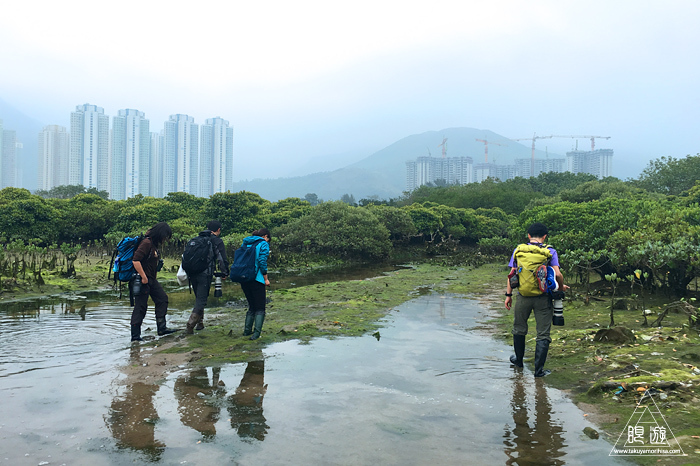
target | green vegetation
x=601, y=227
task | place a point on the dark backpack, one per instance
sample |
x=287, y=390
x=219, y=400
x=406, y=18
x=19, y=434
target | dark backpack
x=243, y=267
x=122, y=259
x=198, y=255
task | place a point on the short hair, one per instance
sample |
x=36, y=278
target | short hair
x=262, y=232
x=213, y=225
x=537, y=230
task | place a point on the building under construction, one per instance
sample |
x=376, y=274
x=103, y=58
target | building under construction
x=596, y=162
x=461, y=170
x=450, y=170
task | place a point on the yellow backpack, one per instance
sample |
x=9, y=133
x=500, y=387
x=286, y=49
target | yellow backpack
x=531, y=259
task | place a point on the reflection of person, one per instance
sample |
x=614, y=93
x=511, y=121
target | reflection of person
x=132, y=417
x=201, y=282
x=245, y=406
x=146, y=263
x=541, y=444
x=255, y=290
x=540, y=303
x=197, y=411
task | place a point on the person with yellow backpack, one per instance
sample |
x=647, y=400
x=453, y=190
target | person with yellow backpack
x=529, y=267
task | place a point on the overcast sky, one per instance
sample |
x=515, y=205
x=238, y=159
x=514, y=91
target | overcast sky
x=304, y=79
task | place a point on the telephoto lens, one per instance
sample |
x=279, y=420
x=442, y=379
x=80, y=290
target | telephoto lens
x=136, y=286
x=558, y=305
x=217, y=286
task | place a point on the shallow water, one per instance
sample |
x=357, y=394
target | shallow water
x=430, y=388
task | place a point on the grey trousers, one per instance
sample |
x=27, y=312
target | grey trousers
x=541, y=306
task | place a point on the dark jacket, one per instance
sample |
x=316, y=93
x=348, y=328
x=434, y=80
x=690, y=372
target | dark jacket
x=219, y=251
x=148, y=256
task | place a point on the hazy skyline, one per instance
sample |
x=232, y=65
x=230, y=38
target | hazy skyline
x=310, y=79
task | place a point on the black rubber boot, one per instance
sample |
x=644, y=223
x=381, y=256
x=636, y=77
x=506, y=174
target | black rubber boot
x=200, y=324
x=192, y=323
x=136, y=333
x=162, y=328
x=519, y=347
x=259, y=319
x=541, y=350
x=248, y=328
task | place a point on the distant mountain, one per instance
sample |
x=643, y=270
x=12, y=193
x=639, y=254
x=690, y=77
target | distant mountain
x=28, y=130
x=383, y=173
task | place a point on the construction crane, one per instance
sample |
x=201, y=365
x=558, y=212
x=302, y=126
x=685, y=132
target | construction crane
x=444, y=146
x=592, y=138
x=486, y=148
x=532, y=159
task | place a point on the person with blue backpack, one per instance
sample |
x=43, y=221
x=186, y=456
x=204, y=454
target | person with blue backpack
x=534, y=271
x=147, y=262
x=253, y=284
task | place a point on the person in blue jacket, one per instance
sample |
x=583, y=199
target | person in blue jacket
x=255, y=290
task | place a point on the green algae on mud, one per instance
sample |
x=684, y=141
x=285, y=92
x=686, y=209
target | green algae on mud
x=330, y=310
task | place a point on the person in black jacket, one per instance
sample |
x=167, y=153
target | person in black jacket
x=201, y=282
x=147, y=260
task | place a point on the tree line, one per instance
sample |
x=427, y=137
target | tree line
x=650, y=224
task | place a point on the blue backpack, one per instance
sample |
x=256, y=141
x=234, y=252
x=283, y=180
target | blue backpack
x=243, y=267
x=122, y=258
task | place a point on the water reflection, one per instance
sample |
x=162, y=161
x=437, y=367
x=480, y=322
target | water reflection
x=132, y=417
x=246, y=404
x=533, y=441
x=197, y=400
x=200, y=396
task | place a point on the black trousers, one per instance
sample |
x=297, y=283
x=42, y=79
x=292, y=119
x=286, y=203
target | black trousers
x=255, y=294
x=160, y=299
x=201, y=283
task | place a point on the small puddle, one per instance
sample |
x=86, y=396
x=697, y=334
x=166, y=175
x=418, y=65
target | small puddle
x=434, y=389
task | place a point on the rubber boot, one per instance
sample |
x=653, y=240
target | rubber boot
x=191, y=323
x=200, y=324
x=519, y=347
x=162, y=328
x=136, y=333
x=541, y=350
x=248, y=328
x=259, y=319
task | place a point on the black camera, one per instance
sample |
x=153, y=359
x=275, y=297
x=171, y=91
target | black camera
x=160, y=265
x=136, y=285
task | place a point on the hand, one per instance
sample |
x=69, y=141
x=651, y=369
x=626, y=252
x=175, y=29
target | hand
x=567, y=287
x=144, y=280
x=509, y=302
x=267, y=282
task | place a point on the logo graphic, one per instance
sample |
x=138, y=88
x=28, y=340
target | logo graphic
x=647, y=434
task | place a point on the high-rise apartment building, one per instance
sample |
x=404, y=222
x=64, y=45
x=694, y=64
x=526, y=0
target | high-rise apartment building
x=451, y=170
x=89, y=148
x=524, y=167
x=156, y=168
x=8, y=159
x=181, y=155
x=215, y=157
x=54, y=149
x=131, y=146
x=597, y=162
